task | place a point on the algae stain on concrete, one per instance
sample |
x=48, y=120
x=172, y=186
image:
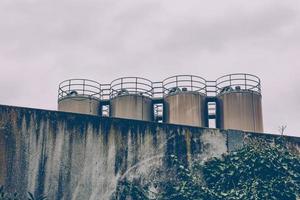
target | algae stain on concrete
x=74, y=156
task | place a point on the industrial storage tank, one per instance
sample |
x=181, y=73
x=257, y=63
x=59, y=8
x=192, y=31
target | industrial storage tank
x=79, y=96
x=184, y=100
x=240, y=102
x=130, y=97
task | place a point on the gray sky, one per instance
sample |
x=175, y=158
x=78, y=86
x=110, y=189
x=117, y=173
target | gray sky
x=43, y=42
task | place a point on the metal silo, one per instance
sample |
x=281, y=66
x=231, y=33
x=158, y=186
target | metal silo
x=79, y=96
x=184, y=100
x=130, y=97
x=240, y=102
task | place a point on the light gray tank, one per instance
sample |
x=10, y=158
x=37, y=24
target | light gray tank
x=130, y=98
x=79, y=96
x=79, y=104
x=240, y=102
x=184, y=100
x=132, y=107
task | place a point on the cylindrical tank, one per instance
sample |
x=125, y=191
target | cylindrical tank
x=184, y=100
x=79, y=96
x=132, y=106
x=186, y=108
x=240, y=102
x=79, y=104
x=130, y=98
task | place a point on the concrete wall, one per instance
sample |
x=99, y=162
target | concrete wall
x=75, y=156
x=79, y=104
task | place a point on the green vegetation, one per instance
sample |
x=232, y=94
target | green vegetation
x=259, y=170
x=15, y=196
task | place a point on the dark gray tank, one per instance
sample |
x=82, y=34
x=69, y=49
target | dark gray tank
x=240, y=102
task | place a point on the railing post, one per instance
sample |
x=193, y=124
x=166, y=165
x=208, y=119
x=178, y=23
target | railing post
x=121, y=83
x=192, y=83
x=136, y=80
x=83, y=85
x=101, y=93
x=245, y=81
x=69, y=85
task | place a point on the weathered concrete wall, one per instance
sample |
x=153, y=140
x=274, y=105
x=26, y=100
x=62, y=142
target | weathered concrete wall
x=74, y=156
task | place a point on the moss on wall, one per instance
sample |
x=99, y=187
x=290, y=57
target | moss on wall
x=75, y=156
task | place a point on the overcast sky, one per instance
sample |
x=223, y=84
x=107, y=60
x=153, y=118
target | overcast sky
x=43, y=42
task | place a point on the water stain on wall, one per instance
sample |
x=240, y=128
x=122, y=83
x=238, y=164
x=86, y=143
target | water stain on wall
x=74, y=156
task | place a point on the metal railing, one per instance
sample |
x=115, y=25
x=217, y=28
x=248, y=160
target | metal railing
x=157, y=90
x=211, y=89
x=131, y=85
x=105, y=91
x=79, y=87
x=182, y=83
x=238, y=82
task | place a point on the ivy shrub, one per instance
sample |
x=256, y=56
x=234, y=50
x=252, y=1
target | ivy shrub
x=15, y=196
x=130, y=189
x=259, y=170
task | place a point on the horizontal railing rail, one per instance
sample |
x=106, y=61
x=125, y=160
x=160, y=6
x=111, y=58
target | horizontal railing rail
x=105, y=91
x=158, y=91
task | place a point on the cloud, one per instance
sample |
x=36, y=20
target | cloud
x=46, y=41
x=198, y=34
